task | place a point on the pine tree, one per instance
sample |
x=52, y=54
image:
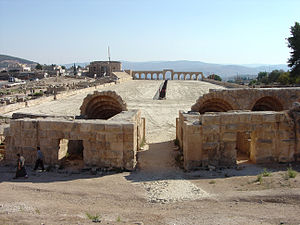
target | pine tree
x=294, y=60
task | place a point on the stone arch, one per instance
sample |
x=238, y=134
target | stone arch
x=154, y=76
x=267, y=103
x=148, y=76
x=102, y=105
x=200, y=76
x=168, y=75
x=175, y=77
x=194, y=77
x=137, y=76
x=160, y=76
x=181, y=76
x=188, y=77
x=143, y=76
x=215, y=105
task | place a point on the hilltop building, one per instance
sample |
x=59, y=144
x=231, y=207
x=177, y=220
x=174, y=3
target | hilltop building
x=104, y=68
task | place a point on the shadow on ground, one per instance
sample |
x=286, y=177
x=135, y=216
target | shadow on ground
x=155, y=164
x=244, y=170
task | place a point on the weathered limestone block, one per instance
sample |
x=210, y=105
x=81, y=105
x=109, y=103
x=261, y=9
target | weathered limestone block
x=211, y=129
x=210, y=119
x=269, y=118
x=229, y=118
x=245, y=118
x=116, y=146
x=45, y=125
x=256, y=118
x=29, y=124
x=289, y=150
x=229, y=136
x=97, y=127
x=113, y=128
x=114, y=137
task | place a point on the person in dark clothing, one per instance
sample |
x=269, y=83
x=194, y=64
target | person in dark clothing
x=39, y=161
x=21, y=170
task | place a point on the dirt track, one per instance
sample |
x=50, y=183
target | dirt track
x=158, y=192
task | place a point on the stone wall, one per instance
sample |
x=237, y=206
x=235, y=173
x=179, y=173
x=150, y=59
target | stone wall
x=255, y=99
x=106, y=143
x=211, y=138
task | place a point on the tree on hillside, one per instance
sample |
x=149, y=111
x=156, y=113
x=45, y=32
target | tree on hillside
x=284, y=78
x=215, y=77
x=274, y=75
x=294, y=60
x=39, y=67
x=262, y=77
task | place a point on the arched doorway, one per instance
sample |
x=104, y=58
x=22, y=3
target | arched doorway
x=215, y=105
x=267, y=103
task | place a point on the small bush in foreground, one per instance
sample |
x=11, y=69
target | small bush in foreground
x=291, y=173
x=95, y=219
x=266, y=173
x=259, y=178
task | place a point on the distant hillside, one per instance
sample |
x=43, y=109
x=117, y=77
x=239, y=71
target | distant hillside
x=5, y=60
x=224, y=71
x=207, y=68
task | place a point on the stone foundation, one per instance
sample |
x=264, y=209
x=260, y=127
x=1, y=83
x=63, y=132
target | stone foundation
x=217, y=138
x=106, y=143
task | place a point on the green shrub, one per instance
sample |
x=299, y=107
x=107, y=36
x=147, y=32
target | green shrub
x=266, y=173
x=118, y=219
x=291, y=173
x=38, y=94
x=95, y=219
x=259, y=178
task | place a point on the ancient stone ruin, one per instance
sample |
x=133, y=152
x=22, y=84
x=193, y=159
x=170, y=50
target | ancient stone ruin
x=223, y=131
x=254, y=99
x=102, y=105
x=108, y=135
x=165, y=74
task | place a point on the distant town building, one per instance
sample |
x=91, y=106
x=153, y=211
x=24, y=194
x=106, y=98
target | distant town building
x=18, y=67
x=104, y=68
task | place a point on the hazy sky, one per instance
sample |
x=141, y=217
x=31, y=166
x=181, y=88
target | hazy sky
x=218, y=31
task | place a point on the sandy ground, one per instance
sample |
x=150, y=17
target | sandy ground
x=158, y=192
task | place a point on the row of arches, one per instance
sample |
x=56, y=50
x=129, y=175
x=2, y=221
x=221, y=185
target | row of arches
x=144, y=75
x=266, y=103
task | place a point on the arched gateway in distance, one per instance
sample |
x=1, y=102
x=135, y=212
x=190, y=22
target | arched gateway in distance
x=166, y=74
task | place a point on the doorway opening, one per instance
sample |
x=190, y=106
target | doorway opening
x=243, y=142
x=70, y=153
